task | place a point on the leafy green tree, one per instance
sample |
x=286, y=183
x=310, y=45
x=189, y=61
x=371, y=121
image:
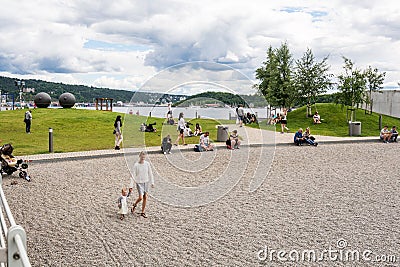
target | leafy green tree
x=374, y=81
x=265, y=74
x=351, y=86
x=275, y=77
x=311, y=78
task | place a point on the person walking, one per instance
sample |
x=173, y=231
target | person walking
x=181, y=129
x=284, y=121
x=122, y=204
x=28, y=121
x=240, y=114
x=118, y=132
x=143, y=177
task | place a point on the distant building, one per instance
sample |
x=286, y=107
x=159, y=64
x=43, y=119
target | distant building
x=28, y=90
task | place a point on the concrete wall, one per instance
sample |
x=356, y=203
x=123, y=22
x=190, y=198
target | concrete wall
x=387, y=102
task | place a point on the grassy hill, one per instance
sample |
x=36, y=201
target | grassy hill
x=82, y=130
x=335, y=121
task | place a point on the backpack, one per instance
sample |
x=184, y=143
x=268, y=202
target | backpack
x=196, y=148
x=228, y=142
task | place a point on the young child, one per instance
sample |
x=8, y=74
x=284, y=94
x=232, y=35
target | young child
x=123, y=204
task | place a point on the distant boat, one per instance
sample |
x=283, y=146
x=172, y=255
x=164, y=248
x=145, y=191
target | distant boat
x=195, y=106
x=212, y=105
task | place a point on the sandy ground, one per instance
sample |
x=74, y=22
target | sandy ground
x=311, y=198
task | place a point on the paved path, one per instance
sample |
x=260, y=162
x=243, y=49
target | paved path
x=251, y=137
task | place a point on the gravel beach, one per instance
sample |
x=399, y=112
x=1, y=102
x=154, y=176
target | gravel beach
x=338, y=196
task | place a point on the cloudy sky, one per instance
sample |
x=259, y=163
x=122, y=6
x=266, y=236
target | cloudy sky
x=127, y=44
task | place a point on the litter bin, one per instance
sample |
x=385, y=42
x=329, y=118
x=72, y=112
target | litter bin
x=354, y=128
x=222, y=134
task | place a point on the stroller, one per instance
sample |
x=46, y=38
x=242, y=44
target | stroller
x=9, y=164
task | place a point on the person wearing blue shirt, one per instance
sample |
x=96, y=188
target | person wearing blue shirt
x=298, y=137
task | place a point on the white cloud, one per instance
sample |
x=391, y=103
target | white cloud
x=48, y=39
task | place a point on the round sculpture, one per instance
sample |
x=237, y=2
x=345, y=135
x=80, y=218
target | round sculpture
x=67, y=100
x=42, y=100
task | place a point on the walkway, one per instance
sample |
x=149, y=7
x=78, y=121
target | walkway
x=251, y=137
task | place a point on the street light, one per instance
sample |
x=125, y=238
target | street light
x=20, y=85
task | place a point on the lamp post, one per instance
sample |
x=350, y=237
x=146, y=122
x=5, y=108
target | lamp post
x=20, y=86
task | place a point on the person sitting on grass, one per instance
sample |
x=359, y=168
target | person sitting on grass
x=197, y=130
x=309, y=138
x=205, y=142
x=150, y=128
x=317, y=118
x=394, y=134
x=299, y=138
x=187, y=132
x=385, y=135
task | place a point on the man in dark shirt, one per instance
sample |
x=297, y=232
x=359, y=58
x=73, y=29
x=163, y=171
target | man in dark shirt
x=298, y=137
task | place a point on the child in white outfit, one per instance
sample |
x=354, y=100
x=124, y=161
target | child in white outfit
x=123, y=203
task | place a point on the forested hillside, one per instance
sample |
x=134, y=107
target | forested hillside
x=82, y=93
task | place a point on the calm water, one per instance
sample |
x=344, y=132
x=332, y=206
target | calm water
x=191, y=112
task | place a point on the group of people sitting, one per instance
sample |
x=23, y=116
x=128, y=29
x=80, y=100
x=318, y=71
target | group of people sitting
x=187, y=131
x=233, y=142
x=274, y=119
x=301, y=138
x=249, y=118
x=387, y=135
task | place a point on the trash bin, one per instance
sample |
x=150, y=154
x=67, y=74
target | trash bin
x=354, y=128
x=222, y=134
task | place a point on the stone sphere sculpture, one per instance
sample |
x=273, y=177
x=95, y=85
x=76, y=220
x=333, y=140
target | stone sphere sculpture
x=42, y=100
x=67, y=100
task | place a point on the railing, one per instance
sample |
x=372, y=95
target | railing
x=12, y=239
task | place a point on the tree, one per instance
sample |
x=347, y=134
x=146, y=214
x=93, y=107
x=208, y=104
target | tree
x=374, y=81
x=351, y=86
x=265, y=75
x=311, y=78
x=276, y=82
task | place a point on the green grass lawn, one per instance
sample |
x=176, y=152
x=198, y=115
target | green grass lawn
x=334, y=121
x=81, y=130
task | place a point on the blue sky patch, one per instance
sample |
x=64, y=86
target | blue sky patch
x=106, y=46
x=315, y=13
